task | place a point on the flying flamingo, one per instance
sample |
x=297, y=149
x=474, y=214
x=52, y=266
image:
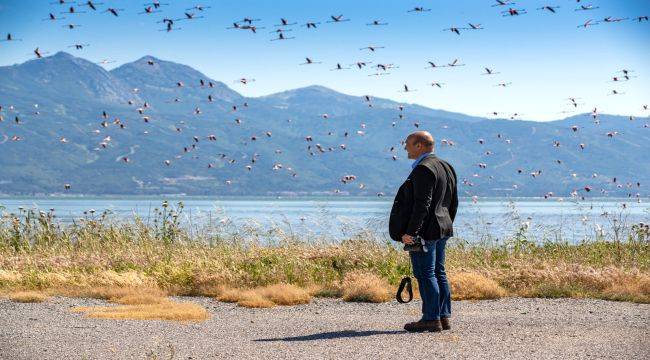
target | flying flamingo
x=377, y=23
x=79, y=46
x=339, y=67
x=156, y=4
x=433, y=65
x=191, y=16
x=71, y=10
x=548, y=8
x=113, y=11
x=610, y=19
x=586, y=7
x=372, y=48
x=285, y=22
x=199, y=7
x=513, y=12
x=489, y=71
x=588, y=23
x=38, y=53
x=53, y=17
x=455, y=63
x=309, y=61
x=419, y=9
x=92, y=5
x=149, y=10
x=454, y=30
x=406, y=89
x=361, y=64
x=503, y=3
x=282, y=37
x=336, y=19
x=10, y=38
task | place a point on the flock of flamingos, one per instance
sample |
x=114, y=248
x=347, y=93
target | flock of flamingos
x=66, y=13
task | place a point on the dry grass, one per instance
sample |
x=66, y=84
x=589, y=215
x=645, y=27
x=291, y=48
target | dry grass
x=634, y=289
x=28, y=297
x=139, y=298
x=9, y=277
x=334, y=290
x=285, y=294
x=108, y=260
x=145, y=303
x=365, y=287
x=230, y=295
x=266, y=296
x=253, y=299
x=116, y=294
x=541, y=280
x=472, y=286
x=162, y=310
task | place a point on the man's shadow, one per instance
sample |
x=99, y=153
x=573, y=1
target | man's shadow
x=334, y=335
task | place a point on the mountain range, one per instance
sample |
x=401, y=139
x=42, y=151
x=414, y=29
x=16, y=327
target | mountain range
x=158, y=127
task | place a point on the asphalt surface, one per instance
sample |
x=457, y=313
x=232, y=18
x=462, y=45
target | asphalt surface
x=512, y=328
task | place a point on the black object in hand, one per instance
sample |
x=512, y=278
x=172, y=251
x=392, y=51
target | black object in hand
x=419, y=245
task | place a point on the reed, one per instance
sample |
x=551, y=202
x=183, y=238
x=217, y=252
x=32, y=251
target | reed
x=97, y=255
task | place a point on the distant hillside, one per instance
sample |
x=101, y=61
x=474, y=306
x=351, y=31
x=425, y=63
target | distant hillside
x=54, y=133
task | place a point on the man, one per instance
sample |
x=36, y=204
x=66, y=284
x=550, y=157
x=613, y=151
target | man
x=425, y=205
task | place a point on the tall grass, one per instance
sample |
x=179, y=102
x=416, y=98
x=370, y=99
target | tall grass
x=39, y=253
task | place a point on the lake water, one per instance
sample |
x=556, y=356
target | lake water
x=489, y=219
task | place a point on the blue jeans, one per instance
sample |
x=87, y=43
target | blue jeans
x=429, y=270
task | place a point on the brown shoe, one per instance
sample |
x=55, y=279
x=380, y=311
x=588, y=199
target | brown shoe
x=444, y=321
x=422, y=325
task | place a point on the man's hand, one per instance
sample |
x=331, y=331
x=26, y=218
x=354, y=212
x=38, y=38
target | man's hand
x=408, y=239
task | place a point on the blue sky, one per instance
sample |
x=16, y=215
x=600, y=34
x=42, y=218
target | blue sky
x=544, y=55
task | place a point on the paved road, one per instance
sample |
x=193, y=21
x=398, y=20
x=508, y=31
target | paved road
x=332, y=329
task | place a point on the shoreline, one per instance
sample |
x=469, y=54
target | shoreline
x=324, y=197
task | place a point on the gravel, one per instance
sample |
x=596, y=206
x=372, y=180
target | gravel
x=330, y=328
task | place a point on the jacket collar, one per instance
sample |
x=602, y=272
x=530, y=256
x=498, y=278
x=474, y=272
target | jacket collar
x=422, y=156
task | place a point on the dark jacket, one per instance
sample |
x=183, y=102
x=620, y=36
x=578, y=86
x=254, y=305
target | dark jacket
x=426, y=202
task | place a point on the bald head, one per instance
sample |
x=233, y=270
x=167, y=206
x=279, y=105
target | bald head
x=422, y=137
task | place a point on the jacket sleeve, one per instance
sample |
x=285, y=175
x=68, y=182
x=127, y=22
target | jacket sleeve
x=423, y=186
x=454, y=200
